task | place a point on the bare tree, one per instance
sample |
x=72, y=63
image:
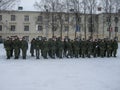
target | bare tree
x=116, y=5
x=116, y=19
x=53, y=6
x=108, y=9
x=92, y=7
x=7, y=4
x=61, y=8
x=84, y=8
x=75, y=8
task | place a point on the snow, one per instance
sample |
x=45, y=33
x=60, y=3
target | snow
x=59, y=74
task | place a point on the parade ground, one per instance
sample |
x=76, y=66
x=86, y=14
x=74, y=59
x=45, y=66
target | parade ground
x=59, y=74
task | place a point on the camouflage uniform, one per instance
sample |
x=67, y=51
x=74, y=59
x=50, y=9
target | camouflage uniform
x=83, y=48
x=95, y=48
x=24, y=47
x=32, y=47
x=12, y=47
x=67, y=48
x=49, y=46
x=114, y=47
x=102, y=48
x=52, y=48
x=89, y=48
x=37, y=48
x=80, y=47
x=76, y=48
x=17, y=46
x=44, y=49
x=109, y=48
x=7, y=46
x=59, y=46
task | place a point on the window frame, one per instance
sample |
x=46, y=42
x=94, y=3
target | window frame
x=26, y=28
x=40, y=28
x=1, y=27
x=0, y=17
x=13, y=18
x=26, y=18
x=13, y=28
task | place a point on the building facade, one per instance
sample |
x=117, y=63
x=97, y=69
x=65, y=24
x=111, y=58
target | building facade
x=32, y=24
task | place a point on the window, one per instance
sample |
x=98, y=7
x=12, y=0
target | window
x=26, y=18
x=89, y=20
x=91, y=28
x=13, y=17
x=79, y=19
x=55, y=18
x=66, y=28
x=66, y=18
x=108, y=19
x=0, y=27
x=40, y=28
x=0, y=17
x=40, y=19
x=26, y=28
x=12, y=27
x=1, y=40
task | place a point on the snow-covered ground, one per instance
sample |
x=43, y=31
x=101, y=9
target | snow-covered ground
x=59, y=74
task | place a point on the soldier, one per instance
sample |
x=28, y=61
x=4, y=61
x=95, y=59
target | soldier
x=67, y=48
x=7, y=46
x=102, y=48
x=49, y=46
x=95, y=48
x=12, y=49
x=89, y=48
x=83, y=47
x=53, y=48
x=76, y=47
x=114, y=47
x=109, y=48
x=59, y=46
x=45, y=48
x=80, y=51
x=37, y=48
x=72, y=52
x=57, y=42
x=32, y=47
x=24, y=47
x=106, y=40
x=17, y=45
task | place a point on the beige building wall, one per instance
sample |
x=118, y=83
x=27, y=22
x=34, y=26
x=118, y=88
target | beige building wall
x=100, y=27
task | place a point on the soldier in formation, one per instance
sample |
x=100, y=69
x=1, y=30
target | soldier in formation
x=14, y=45
x=58, y=48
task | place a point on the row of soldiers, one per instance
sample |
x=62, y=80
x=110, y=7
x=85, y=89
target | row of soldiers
x=15, y=45
x=56, y=47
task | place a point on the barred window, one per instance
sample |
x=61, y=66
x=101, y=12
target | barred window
x=66, y=18
x=13, y=27
x=40, y=18
x=26, y=28
x=0, y=17
x=26, y=18
x=66, y=28
x=13, y=17
x=40, y=28
x=0, y=27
